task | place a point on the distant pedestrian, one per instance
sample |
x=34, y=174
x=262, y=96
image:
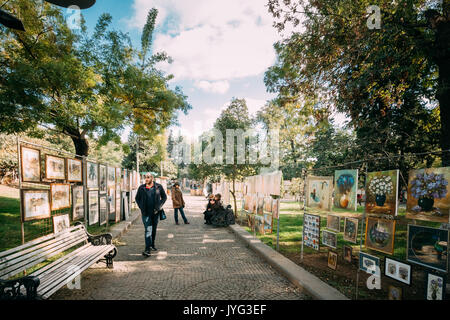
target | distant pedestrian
x=178, y=203
x=150, y=198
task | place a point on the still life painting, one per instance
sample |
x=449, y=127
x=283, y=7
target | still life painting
x=397, y=270
x=345, y=187
x=319, y=191
x=351, y=229
x=382, y=192
x=380, y=235
x=435, y=287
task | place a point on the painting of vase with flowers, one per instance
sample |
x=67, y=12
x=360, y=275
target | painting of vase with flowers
x=345, y=186
x=381, y=192
x=428, y=194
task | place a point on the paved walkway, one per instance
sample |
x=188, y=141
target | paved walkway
x=194, y=261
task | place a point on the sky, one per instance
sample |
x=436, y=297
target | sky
x=220, y=50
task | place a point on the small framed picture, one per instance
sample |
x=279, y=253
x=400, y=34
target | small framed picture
x=30, y=164
x=334, y=222
x=348, y=253
x=332, y=260
x=329, y=239
x=60, y=196
x=77, y=203
x=435, y=286
x=61, y=223
x=74, y=170
x=369, y=264
x=397, y=270
x=394, y=293
x=351, y=229
x=55, y=168
x=92, y=174
x=35, y=204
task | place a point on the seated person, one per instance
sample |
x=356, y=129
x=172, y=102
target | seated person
x=209, y=209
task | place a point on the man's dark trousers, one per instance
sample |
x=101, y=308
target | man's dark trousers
x=150, y=225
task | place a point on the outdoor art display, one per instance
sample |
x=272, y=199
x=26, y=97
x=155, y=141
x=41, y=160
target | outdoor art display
x=111, y=177
x=397, y=270
x=351, y=229
x=311, y=231
x=35, y=204
x=268, y=223
x=77, y=203
x=428, y=195
x=268, y=204
x=247, y=200
x=382, y=192
x=348, y=253
x=334, y=222
x=117, y=217
x=61, y=223
x=60, y=196
x=30, y=164
x=102, y=178
x=92, y=175
x=427, y=247
x=93, y=207
x=380, y=235
x=125, y=180
x=259, y=224
x=435, y=287
x=260, y=206
x=332, y=260
x=276, y=208
x=345, y=186
x=112, y=200
x=118, y=176
x=103, y=216
x=55, y=168
x=394, y=293
x=318, y=192
x=329, y=239
x=74, y=170
x=369, y=263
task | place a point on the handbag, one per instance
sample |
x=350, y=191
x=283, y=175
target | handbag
x=162, y=215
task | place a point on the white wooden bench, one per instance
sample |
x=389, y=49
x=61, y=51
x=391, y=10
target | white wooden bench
x=42, y=283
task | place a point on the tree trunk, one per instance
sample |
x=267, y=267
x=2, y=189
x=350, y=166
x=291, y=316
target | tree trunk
x=81, y=145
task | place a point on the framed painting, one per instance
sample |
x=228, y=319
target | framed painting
x=334, y=222
x=329, y=239
x=246, y=203
x=394, y=293
x=35, y=204
x=268, y=223
x=93, y=207
x=268, y=204
x=276, y=208
x=348, y=254
x=260, y=206
x=382, y=192
x=351, y=229
x=345, y=188
x=30, y=164
x=125, y=180
x=60, y=196
x=397, y=270
x=55, y=168
x=311, y=231
x=435, y=286
x=61, y=223
x=259, y=224
x=369, y=264
x=92, y=174
x=118, y=176
x=77, y=203
x=254, y=204
x=428, y=195
x=112, y=200
x=74, y=170
x=380, y=235
x=102, y=176
x=118, y=201
x=332, y=260
x=111, y=177
x=428, y=247
x=318, y=192
x=103, y=214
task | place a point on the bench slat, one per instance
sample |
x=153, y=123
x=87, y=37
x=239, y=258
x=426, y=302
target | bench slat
x=35, y=242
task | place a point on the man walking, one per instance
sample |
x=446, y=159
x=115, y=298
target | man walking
x=178, y=203
x=150, y=198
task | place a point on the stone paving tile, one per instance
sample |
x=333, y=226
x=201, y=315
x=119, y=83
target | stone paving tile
x=194, y=261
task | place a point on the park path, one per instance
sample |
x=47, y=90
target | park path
x=194, y=261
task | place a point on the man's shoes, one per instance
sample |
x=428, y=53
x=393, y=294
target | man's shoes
x=146, y=253
x=187, y=222
x=154, y=249
x=176, y=223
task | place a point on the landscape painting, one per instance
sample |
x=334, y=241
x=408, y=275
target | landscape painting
x=60, y=196
x=30, y=164
x=93, y=207
x=77, y=203
x=35, y=204
x=103, y=216
x=428, y=195
x=345, y=186
x=351, y=229
x=318, y=192
x=55, y=168
x=61, y=223
x=382, y=192
x=92, y=175
x=102, y=178
x=380, y=235
x=428, y=247
x=74, y=170
x=334, y=222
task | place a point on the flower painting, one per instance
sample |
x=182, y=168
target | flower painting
x=351, y=229
x=318, y=192
x=380, y=235
x=382, y=192
x=435, y=287
x=345, y=186
x=428, y=194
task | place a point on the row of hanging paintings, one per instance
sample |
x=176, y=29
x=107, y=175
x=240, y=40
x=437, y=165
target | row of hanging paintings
x=267, y=184
x=428, y=196
x=260, y=205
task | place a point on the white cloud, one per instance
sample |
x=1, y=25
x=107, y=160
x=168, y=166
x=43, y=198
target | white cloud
x=213, y=86
x=211, y=40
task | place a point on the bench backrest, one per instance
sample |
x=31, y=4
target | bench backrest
x=28, y=255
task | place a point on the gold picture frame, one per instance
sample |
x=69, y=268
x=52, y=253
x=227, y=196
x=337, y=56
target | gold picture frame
x=26, y=164
x=27, y=203
x=53, y=192
x=61, y=173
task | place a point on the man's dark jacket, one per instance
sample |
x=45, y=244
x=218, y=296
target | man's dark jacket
x=142, y=199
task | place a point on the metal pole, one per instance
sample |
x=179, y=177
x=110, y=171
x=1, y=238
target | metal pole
x=137, y=156
x=304, y=212
x=362, y=228
x=278, y=226
x=85, y=192
x=19, y=157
